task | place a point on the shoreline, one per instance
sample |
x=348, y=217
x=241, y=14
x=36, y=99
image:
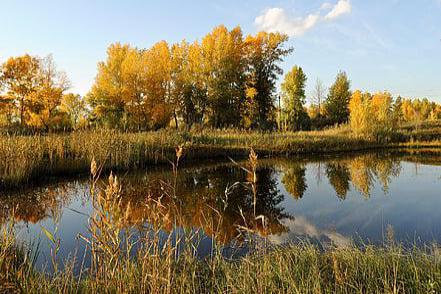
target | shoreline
x=27, y=159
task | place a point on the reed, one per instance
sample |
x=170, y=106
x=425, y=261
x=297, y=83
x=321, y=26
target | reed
x=27, y=158
x=292, y=269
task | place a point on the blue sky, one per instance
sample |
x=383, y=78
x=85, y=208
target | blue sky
x=390, y=45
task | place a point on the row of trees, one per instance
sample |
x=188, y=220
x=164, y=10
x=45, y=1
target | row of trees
x=226, y=80
x=370, y=115
x=330, y=110
x=378, y=115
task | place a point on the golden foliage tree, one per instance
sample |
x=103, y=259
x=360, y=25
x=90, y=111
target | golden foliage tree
x=372, y=116
x=224, y=64
x=47, y=97
x=33, y=92
x=74, y=106
x=20, y=77
x=106, y=96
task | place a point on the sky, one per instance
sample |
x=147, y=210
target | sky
x=392, y=45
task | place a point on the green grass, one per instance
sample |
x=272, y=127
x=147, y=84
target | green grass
x=26, y=158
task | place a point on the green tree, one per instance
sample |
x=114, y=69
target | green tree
x=293, y=93
x=338, y=100
x=74, y=106
x=264, y=52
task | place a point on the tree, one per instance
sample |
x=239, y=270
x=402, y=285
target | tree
x=293, y=93
x=224, y=64
x=397, y=111
x=361, y=114
x=189, y=96
x=338, y=100
x=372, y=116
x=318, y=95
x=106, y=96
x=74, y=106
x=20, y=77
x=47, y=96
x=384, y=121
x=134, y=83
x=34, y=88
x=195, y=100
x=264, y=52
x=158, y=92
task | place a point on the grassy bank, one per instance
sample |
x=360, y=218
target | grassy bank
x=293, y=269
x=25, y=158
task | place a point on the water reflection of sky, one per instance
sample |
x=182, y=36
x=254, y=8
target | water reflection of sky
x=332, y=202
x=410, y=206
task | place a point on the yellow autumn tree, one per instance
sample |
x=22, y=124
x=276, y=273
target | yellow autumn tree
x=19, y=75
x=159, y=85
x=224, y=63
x=46, y=99
x=385, y=123
x=33, y=90
x=106, y=96
x=74, y=107
x=371, y=116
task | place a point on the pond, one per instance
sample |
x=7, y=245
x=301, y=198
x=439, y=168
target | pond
x=330, y=200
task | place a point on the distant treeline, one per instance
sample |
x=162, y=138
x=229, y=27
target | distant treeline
x=227, y=80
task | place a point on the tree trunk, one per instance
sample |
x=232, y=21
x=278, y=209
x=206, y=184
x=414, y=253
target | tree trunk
x=176, y=119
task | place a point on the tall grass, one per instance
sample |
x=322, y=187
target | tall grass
x=149, y=263
x=293, y=269
x=25, y=158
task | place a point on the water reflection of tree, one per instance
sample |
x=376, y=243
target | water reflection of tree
x=339, y=177
x=294, y=179
x=363, y=171
x=34, y=205
x=202, y=201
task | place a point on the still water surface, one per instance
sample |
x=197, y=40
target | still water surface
x=333, y=200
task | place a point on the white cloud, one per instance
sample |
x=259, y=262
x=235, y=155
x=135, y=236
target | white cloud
x=341, y=8
x=277, y=20
x=327, y=6
x=300, y=227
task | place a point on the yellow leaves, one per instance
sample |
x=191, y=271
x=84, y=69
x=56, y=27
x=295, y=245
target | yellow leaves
x=251, y=92
x=35, y=88
x=371, y=116
x=141, y=88
x=418, y=110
